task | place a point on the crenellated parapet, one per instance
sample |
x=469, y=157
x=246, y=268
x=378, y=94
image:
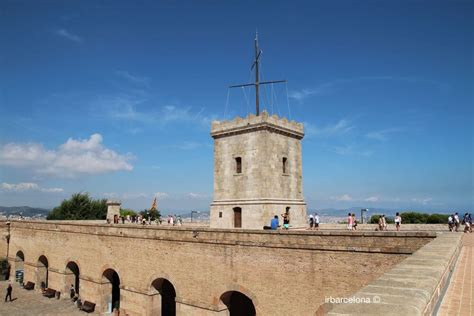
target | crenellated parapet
x=252, y=122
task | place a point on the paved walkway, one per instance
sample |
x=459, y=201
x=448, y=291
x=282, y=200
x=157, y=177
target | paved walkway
x=459, y=298
x=33, y=303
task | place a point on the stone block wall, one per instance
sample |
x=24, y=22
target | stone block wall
x=272, y=268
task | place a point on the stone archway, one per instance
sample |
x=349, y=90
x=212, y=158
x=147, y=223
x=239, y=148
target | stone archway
x=238, y=304
x=71, y=277
x=110, y=290
x=163, y=298
x=19, y=266
x=42, y=272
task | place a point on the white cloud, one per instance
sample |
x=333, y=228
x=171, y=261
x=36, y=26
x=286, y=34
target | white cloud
x=331, y=86
x=372, y=199
x=73, y=158
x=145, y=81
x=28, y=186
x=126, y=107
x=344, y=197
x=382, y=135
x=68, y=35
x=339, y=128
x=423, y=201
x=350, y=150
x=197, y=196
x=161, y=195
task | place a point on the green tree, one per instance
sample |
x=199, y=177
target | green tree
x=79, y=207
x=154, y=213
x=127, y=211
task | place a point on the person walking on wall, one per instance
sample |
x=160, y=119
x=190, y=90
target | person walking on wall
x=456, y=221
x=354, y=222
x=316, y=221
x=9, y=292
x=311, y=221
x=451, y=222
x=398, y=221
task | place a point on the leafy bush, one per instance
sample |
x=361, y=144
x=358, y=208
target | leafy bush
x=79, y=207
x=127, y=211
x=374, y=219
x=414, y=218
x=437, y=219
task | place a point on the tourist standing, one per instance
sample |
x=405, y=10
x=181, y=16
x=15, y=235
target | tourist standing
x=380, y=222
x=398, y=221
x=9, y=292
x=286, y=220
x=384, y=221
x=349, y=221
x=311, y=221
x=316, y=221
x=72, y=292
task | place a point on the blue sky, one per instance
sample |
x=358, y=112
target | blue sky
x=116, y=99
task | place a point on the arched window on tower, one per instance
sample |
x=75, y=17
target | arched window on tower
x=238, y=164
x=285, y=165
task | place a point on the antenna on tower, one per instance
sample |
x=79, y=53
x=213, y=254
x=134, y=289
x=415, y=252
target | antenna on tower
x=257, y=83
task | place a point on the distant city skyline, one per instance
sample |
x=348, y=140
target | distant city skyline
x=116, y=99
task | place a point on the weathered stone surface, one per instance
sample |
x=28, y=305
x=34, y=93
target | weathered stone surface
x=271, y=268
x=412, y=287
x=263, y=188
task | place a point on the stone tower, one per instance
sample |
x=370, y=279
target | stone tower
x=257, y=172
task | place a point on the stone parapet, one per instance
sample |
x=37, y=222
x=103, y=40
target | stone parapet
x=367, y=242
x=252, y=123
x=413, y=287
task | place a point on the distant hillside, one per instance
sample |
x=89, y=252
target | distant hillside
x=24, y=210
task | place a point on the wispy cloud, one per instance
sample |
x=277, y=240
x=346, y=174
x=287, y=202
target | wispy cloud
x=135, y=79
x=342, y=198
x=28, y=186
x=198, y=196
x=351, y=150
x=422, y=201
x=161, y=195
x=340, y=127
x=372, y=199
x=73, y=158
x=68, y=35
x=331, y=86
x=127, y=108
x=383, y=135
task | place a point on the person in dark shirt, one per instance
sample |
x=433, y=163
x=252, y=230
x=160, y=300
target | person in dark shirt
x=9, y=292
x=275, y=224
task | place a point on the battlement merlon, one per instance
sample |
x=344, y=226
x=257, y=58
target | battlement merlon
x=261, y=122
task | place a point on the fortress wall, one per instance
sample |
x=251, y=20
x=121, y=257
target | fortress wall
x=282, y=272
x=3, y=241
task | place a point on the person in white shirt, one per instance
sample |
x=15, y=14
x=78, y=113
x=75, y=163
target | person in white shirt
x=398, y=221
x=316, y=221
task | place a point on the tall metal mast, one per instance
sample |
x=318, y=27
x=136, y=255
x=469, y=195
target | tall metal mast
x=257, y=83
